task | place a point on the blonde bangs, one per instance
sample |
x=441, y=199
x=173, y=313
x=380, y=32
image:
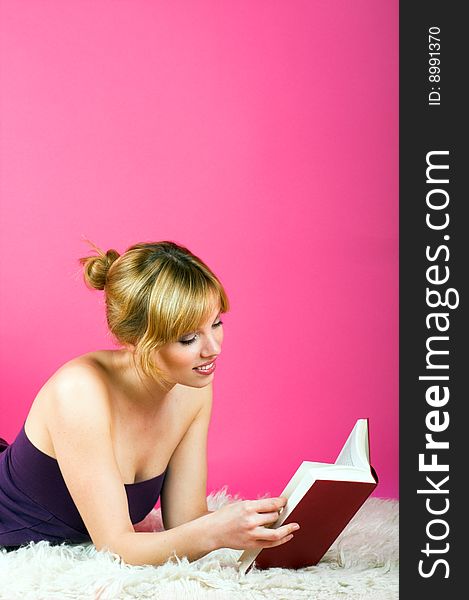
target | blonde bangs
x=183, y=303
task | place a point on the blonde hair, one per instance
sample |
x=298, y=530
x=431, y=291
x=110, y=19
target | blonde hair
x=154, y=294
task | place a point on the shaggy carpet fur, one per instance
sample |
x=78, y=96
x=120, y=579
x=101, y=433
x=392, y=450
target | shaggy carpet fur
x=361, y=565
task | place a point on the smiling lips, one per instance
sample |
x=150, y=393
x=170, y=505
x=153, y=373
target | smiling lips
x=206, y=368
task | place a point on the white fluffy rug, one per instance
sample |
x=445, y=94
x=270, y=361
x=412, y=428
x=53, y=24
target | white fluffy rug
x=361, y=565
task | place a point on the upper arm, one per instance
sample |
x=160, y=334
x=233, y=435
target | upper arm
x=80, y=430
x=184, y=493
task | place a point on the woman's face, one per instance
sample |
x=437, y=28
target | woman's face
x=179, y=360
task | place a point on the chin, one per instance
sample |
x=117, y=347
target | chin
x=202, y=382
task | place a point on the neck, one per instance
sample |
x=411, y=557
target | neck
x=141, y=389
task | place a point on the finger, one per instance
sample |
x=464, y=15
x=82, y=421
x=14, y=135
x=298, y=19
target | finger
x=274, y=535
x=268, y=504
x=278, y=542
x=267, y=518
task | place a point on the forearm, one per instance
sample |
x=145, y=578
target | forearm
x=193, y=539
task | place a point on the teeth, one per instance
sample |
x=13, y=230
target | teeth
x=206, y=368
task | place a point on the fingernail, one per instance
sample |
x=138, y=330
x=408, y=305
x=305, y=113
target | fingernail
x=296, y=526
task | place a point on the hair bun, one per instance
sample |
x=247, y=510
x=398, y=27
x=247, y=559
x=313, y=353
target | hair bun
x=96, y=268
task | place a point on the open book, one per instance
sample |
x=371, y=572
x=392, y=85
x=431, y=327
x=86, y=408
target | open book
x=322, y=498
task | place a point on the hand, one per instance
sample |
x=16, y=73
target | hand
x=246, y=524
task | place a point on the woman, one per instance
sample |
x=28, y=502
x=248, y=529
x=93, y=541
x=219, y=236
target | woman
x=111, y=430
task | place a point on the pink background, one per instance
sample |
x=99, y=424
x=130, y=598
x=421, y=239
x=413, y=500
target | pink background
x=264, y=136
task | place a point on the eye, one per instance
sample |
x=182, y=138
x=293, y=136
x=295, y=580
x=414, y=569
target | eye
x=192, y=340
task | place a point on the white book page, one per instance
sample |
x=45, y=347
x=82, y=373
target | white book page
x=355, y=451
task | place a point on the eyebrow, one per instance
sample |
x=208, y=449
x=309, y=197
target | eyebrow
x=192, y=332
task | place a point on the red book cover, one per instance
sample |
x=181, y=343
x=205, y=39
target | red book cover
x=322, y=514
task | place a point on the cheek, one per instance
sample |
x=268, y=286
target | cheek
x=183, y=357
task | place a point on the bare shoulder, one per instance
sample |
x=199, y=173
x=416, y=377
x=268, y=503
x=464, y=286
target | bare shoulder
x=187, y=405
x=198, y=398
x=81, y=375
x=83, y=368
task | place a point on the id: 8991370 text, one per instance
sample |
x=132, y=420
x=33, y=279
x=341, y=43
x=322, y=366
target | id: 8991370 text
x=434, y=69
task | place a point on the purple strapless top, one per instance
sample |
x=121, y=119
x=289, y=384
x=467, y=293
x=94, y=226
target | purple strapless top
x=35, y=503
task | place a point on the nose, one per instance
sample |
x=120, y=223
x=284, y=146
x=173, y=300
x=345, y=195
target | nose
x=212, y=348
